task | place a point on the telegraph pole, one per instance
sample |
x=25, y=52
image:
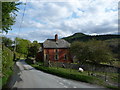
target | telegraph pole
x=14, y=58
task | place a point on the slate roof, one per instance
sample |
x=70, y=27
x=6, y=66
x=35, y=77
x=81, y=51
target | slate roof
x=60, y=43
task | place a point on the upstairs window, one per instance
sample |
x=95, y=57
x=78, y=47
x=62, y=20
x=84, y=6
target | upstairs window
x=65, y=57
x=56, y=51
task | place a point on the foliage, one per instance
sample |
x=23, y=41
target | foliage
x=111, y=39
x=29, y=60
x=22, y=45
x=7, y=57
x=7, y=63
x=5, y=78
x=99, y=51
x=8, y=14
x=114, y=44
x=33, y=49
x=93, y=51
x=7, y=41
x=79, y=51
x=19, y=56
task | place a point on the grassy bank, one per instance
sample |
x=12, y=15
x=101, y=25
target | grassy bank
x=6, y=77
x=7, y=64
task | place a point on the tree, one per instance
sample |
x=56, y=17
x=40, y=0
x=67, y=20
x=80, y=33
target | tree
x=33, y=49
x=8, y=14
x=22, y=45
x=79, y=51
x=7, y=41
x=99, y=52
x=92, y=51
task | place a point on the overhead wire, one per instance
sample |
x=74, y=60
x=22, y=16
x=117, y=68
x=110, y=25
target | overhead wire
x=20, y=25
x=22, y=17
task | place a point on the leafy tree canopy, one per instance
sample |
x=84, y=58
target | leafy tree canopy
x=22, y=45
x=8, y=14
x=7, y=41
x=33, y=49
x=92, y=51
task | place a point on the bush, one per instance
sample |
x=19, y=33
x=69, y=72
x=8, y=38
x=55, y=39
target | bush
x=93, y=51
x=7, y=64
x=29, y=61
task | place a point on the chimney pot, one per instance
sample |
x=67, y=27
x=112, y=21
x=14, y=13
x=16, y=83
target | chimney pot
x=56, y=37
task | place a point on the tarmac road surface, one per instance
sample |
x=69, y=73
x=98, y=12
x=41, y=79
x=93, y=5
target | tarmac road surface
x=26, y=76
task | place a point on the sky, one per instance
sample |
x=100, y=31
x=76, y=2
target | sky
x=45, y=18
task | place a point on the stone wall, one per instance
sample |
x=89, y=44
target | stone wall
x=87, y=67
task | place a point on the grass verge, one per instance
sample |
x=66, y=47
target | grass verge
x=6, y=77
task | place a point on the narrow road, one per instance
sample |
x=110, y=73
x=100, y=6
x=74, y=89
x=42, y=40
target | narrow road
x=26, y=76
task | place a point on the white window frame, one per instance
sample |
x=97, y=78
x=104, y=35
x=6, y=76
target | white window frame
x=57, y=57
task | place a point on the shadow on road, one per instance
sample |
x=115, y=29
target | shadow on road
x=14, y=78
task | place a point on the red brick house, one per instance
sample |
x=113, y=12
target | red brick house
x=56, y=50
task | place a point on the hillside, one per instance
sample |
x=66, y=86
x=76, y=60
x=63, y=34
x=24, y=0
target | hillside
x=84, y=37
x=111, y=40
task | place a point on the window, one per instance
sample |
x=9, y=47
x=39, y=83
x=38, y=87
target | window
x=65, y=57
x=56, y=51
x=47, y=56
x=56, y=57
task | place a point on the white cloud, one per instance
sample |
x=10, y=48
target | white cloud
x=44, y=19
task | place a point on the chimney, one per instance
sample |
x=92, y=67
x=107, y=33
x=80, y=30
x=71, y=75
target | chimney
x=56, y=37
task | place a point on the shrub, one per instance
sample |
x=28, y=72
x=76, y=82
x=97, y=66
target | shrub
x=7, y=64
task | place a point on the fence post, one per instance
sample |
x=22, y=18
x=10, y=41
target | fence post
x=105, y=71
x=118, y=77
x=70, y=67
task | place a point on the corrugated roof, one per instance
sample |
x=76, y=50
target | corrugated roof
x=60, y=43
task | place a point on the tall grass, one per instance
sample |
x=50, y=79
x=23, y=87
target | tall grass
x=7, y=64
